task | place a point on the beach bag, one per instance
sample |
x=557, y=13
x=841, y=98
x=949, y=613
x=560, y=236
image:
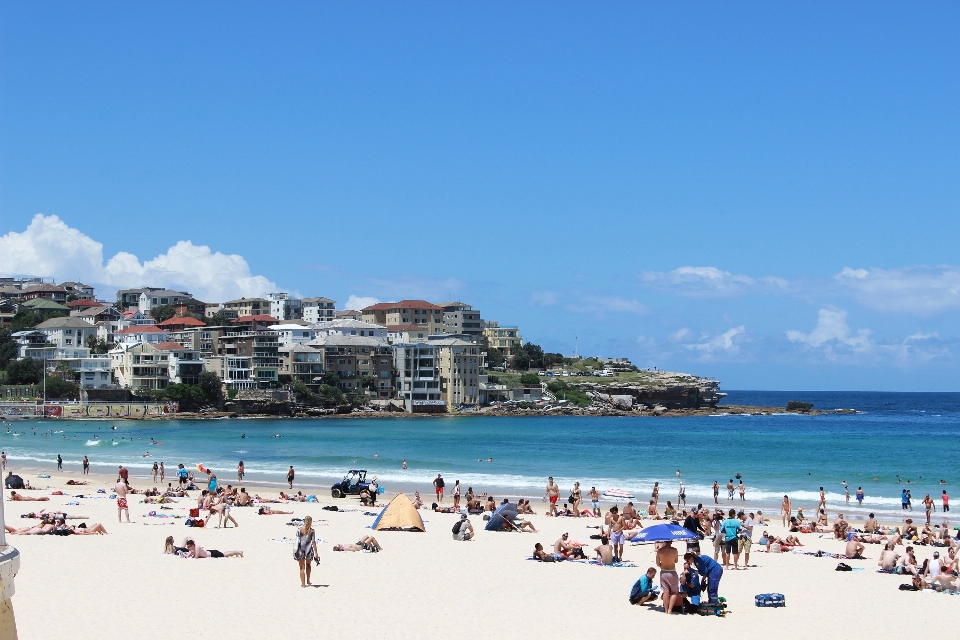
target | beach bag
x=776, y=548
x=194, y=513
x=844, y=567
x=770, y=600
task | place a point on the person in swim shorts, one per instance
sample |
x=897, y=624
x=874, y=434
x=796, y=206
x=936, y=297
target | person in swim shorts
x=669, y=580
x=122, y=489
x=595, y=500
x=616, y=535
x=553, y=493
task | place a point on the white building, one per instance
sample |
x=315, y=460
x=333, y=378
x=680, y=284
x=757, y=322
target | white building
x=66, y=332
x=317, y=310
x=293, y=333
x=352, y=328
x=143, y=333
x=283, y=307
x=160, y=297
x=234, y=371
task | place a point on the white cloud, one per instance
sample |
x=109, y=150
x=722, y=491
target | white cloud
x=832, y=330
x=610, y=304
x=49, y=247
x=543, y=298
x=725, y=342
x=710, y=281
x=679, y=334
x=917, y=290
x=357, y=303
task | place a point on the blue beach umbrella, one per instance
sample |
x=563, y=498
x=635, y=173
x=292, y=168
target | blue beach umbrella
x=663, y=533
x=508, y=510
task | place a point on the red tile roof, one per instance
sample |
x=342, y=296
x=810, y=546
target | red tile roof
x=170, y=346
x=144, y=328
x=257, y=318
x=76, y=304
x=403, y=304
x=185, y=321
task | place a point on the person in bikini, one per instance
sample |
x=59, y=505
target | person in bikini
x=366, y=543
x=16, y=497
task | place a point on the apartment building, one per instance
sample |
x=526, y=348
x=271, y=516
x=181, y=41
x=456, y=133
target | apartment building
x=78, y=289
x=288, y=334
x=352, y=328
x=419, y=312
x=462, y=319
x=460, y=363
x=94, y=369
x=148, y=366
x=285, y=307
x=417, y=377
x=146, y=333
x=300, y=363
x=262, y=347
x=246, y=307
x=507, y=339
x=147, y=300
x=403, y=333
x=353, y=357
x=93, y=315
x=317, y=310
x=47, y=291
x=348, y=314
x=130, y=298
x=234, y=371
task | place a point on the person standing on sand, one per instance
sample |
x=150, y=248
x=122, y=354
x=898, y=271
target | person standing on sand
x=656, y=492
x=669, y=580
x=290, y=476
x=785, y=510
x=615, y=532
x=456, y=494
x=156, y=470
x=59, y=463
x=577, y=498
x=438, y=485
x=86, y=465
x=823, y=501
x=306, y=549
x=553, y=493
x=595, y=500
x=716, y=492
x=240, y=472
x=122, y=488
x=928, y=506
x=681, y=496
x=163, y=472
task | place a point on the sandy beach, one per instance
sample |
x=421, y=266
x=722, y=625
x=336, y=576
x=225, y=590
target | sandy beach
x=423, y=585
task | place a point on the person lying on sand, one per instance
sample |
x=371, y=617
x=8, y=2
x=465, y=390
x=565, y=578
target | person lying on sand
x=63, y=529
x=509, y=525
x=76, y=482
x=16, y=497
x=543, y=556
x=197, y=552
x=366, y=543
x=44, y=527
x=44, y=514
x=258, y=500
x=267, y=511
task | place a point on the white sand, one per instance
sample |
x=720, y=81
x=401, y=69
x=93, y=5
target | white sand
x=423, y=585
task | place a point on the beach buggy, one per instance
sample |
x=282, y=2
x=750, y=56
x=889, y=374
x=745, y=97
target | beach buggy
x=353, y=483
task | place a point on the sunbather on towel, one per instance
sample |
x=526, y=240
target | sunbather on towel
x=366, y=543
x=16, y=497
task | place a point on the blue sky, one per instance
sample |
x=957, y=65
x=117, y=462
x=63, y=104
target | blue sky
x=767, y=195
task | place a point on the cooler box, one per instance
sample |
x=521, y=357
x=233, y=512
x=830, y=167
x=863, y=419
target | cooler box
x=771, y=600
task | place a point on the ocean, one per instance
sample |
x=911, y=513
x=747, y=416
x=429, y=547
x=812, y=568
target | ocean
x=892, y=438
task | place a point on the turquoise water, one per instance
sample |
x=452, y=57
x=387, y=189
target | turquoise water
x=913, y=436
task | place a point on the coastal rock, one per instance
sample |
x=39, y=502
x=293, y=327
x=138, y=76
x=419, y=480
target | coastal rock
x=796, y=405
